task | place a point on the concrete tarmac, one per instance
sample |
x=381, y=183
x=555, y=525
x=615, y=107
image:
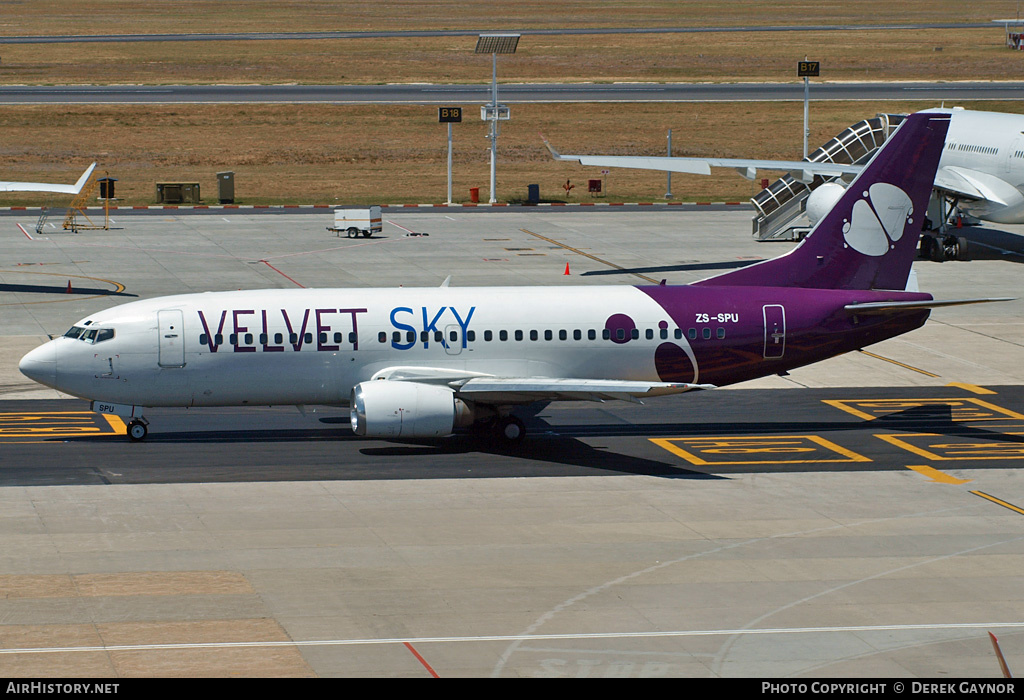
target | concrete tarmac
x=751, y=551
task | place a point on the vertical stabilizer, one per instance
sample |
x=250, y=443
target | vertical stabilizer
x=869, y=238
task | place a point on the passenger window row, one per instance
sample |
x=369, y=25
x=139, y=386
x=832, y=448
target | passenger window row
x=279, y=338
x=974, y=149
x=453, y=336
x=577, y=334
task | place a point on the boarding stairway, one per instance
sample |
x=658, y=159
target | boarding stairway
x=781, y=205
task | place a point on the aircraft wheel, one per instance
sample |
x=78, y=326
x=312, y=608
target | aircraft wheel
x=961, y=249
x=927, y=245
x=137, y=431
x=510, y=430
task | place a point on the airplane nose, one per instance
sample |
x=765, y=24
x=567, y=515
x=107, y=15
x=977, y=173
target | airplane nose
x=40, y=365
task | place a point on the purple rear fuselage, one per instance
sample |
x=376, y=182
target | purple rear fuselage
x=776, y=328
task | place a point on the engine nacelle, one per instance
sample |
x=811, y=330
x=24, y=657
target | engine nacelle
x=821, y=200
x=384, y=408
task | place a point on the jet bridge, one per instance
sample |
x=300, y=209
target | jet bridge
x=780, y=206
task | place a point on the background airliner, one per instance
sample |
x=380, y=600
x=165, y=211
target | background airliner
x=981, y=169
x=422, y=362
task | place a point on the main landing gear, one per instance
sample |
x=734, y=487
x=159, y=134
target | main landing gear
x=501, y=431
x=941, y=247
x=509, y=430
x=138, y=429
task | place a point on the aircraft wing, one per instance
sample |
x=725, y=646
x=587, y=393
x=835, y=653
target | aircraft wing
x=487, y=388
x=800, y=169
x=517, y=390
x=11, y=186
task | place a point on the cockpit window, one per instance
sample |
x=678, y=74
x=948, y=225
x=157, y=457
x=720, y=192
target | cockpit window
x=90, y=335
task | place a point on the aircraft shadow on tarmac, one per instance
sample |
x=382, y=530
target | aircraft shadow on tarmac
x=682, y=267
x=57, y=289
x=564, y=445
x=569, y=446
x=992, y=244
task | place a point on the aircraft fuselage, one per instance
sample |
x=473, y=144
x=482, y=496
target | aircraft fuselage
x=312, y=346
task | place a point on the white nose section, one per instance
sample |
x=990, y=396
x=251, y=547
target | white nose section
x=40, y=365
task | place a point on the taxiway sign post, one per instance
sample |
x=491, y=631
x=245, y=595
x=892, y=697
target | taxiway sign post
x=806, y=70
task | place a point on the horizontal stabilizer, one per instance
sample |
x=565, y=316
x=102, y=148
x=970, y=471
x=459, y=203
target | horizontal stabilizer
x=891, y=307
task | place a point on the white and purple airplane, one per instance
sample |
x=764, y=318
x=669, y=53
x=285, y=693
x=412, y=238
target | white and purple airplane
x=423, y=362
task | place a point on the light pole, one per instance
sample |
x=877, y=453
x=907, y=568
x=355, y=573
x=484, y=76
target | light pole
x=668, y=191
x=493, y=112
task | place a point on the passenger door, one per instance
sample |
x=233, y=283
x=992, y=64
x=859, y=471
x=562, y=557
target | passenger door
x=171, y=338
x=774, y=331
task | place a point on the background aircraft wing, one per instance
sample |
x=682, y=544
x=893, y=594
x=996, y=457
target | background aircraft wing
x=800, y=169
x=972, y=184
x=11, y=186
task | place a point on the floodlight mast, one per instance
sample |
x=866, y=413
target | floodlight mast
x=495, y=44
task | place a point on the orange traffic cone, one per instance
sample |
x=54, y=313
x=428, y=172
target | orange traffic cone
x=566, y=269
x=68, y=290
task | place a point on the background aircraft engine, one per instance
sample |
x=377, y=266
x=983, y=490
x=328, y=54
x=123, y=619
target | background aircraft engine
x=822, y=199
x=386, y=408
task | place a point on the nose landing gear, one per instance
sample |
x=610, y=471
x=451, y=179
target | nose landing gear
x=138, y=428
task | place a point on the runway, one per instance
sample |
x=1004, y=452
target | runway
x=436, y=94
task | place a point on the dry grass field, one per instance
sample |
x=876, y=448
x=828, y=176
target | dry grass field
x=30, y=17
x=389, y=154
x=934, y=54
x=324, y=154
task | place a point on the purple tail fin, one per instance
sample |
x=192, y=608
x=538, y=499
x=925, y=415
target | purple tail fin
x=869, y=238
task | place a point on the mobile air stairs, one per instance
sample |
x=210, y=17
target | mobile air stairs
x=780, y=207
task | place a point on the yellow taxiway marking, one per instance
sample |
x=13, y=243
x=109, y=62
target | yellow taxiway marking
x=999, y=501
x=898, y=363
x=936, y=475
x=116, y=423
x=946, y=448
x=960, y=409
x=773, y=449
x=58, y=424
x=973, y=388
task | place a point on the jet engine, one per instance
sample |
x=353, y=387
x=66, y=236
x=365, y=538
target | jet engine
x=384, y=408
x=822, y=199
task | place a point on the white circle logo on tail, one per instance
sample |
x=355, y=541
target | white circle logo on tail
x=878, y=220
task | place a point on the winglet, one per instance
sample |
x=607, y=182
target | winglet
x=84, y=179
x=554, y=154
